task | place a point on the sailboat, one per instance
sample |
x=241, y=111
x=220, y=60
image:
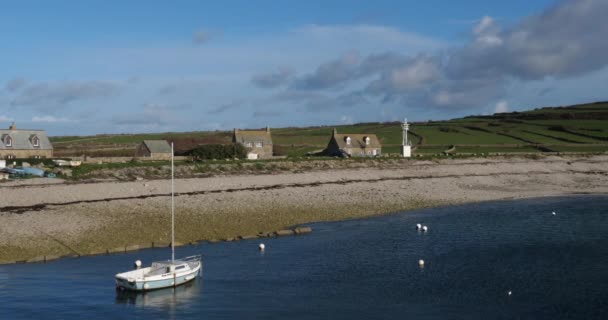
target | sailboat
x=162, y=274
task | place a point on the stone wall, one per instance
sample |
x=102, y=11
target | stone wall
x=264, y=152
x=159, y=156
x=24, y=154
x=124, y=159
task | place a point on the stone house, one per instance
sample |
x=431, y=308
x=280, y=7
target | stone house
x=257, y=142
x=353, y=145
x=21, y=144
x=154, y=149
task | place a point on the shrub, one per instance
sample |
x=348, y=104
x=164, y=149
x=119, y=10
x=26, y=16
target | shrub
x=218, y=151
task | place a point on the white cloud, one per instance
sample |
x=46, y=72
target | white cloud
x=484, y=25
x=50, y=119
x=5, y=118
x=346, y=119
x=501, y=106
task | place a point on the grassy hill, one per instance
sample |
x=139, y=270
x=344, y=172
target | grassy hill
x=578, y=128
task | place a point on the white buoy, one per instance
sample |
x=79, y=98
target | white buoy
x=418, y=226
x=553, y=213
x=510, y=293
x=262, y=247
x=421, y=263
x=137, y=264
x=425, y=228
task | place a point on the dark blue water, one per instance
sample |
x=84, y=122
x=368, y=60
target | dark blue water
x=555, y=266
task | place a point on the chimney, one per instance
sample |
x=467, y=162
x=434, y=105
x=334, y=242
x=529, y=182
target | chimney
x=268, y=129
x=13, y=127
x=334, y=133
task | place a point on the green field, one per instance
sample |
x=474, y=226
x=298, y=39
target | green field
x=579, y=128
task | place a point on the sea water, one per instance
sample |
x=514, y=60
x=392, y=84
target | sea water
x=495, y=260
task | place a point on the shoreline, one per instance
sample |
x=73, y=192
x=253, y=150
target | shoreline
x=63, y=219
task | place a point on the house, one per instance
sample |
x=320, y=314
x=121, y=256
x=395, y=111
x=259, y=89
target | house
x=353, y=145
x=154, y=149
x=20, y=144
x=257, y=142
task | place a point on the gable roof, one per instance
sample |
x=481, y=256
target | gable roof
x=244, y=136
x=158, y=146
x=357, y=140
x=23, y=139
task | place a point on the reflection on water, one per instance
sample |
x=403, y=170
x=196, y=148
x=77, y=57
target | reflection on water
x=162, y=298
x=553, y=265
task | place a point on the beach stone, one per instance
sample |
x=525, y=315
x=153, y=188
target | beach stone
x=97, y=252
x=284, y=232
x=302, y=230
x=146, y=245
x=213, y=240
x=160, y=244
x=116, y=250
x=248, y=237
x=51, y=258
x=132, y=247
x=36, y=259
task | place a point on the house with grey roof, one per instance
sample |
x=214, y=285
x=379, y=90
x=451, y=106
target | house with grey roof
x=353, y=145
x=154, y=149
x=257, y=142
x=24, y=143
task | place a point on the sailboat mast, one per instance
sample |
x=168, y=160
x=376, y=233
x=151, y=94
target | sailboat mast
x=172, y=208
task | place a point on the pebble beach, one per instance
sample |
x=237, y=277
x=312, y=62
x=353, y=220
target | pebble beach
x=53, y=218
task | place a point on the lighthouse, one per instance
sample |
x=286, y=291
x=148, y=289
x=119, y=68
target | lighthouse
x=406, y=148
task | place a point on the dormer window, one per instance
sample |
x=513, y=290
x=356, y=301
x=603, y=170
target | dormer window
x=367, y=140
x=36, y=141
x=8, y=141
x=248, y=144
x=347, y=139
x=258, y=144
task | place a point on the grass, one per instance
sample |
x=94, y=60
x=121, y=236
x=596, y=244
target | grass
x=580, y=124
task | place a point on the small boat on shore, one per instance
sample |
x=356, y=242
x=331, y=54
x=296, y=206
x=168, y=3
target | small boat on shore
x=162, y=274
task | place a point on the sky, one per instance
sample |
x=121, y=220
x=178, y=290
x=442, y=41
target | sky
x=94, y=67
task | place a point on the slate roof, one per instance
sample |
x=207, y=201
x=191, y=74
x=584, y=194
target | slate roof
x=158, y=146
x=23, y=139
x=356, y=140
x=244, y=136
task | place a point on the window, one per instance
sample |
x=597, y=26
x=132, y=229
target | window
x=348, y=140
x=180, y=267
x=367, y=140
x=248, y=144
x=36, y=141
x=258, y=144
x=8, y=141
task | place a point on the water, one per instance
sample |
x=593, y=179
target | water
x=555, y=266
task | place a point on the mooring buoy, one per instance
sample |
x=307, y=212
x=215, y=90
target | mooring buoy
x=262, y=247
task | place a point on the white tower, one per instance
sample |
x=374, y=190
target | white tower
x=406, y=148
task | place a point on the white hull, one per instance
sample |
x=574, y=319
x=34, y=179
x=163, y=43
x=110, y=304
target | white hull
x=159, y=275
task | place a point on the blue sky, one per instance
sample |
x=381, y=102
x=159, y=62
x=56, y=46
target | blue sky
x=89, y=67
